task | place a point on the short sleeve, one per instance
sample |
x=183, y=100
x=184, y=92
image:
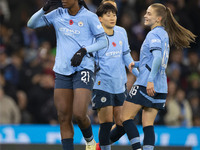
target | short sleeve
x=95, y=25
x=50, y=17
x=126, y=47
x=154, y=42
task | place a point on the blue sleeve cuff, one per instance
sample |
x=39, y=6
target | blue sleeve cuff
x=136, y=64
x=128, y=59
x=101, y=42
x=135, y=72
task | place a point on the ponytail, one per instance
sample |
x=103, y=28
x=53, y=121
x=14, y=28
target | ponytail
x=82, y=2
x=179, y=36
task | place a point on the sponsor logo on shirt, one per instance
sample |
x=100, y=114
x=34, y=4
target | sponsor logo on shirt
x=155, y=41
x=114, y=53
x=69, y=32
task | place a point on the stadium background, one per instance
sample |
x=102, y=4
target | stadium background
x=26, y=77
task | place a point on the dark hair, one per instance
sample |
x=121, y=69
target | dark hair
x=82, y=2
x=104, y=8
x=178, y=35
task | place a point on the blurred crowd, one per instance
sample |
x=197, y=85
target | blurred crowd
x=27, y=57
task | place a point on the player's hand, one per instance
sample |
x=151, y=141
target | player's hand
x=131, y=66
x=78, y=56
x=150, y=89
x=50, y=3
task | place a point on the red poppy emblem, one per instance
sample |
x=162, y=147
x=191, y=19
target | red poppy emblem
x=114, y=44
x=71, y=22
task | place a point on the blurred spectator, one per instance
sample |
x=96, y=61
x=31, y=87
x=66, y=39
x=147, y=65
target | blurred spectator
x=4, y=11
x=193, y=84
x=22, y=104
x=39, y=96
x=9, y=111
x=172, y=88
x=196, y=120
x=179, y=112
x=195, y=103
x=7, y=74
x=49, y=112
x=91, y=6
x=193, y=63
x=30, y=38
x=176, y=70
x=9, y=39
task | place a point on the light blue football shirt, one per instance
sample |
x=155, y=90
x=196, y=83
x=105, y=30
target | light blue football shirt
x=112, y=74
x=156, y=39
x=72, y=33
x=121, y=29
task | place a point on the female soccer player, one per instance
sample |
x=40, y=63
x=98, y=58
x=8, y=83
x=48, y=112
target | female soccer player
x=109, y=89
x=76, y=30
x=117, y=130
x=149, y=92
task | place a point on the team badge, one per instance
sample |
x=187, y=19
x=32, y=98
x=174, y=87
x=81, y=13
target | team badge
x=80, y=24
x=71, y=22
x=103, y=99
x=114, y=44
x=120, y=43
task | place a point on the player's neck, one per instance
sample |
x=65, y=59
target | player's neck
x=109, y=31
x=74, y=10
x=155, y=25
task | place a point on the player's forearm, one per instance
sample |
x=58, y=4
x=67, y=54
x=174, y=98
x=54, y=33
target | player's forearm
x=136, y=64
x=36, y=20
x=127, y=59
x=100, y=43
x=135, y=72
x=155, y=65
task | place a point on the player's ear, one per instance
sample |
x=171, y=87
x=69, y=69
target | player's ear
x=159, y=19
x=100, y=19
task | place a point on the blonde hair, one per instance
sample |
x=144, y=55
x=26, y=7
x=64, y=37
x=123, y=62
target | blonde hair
x=179, y=36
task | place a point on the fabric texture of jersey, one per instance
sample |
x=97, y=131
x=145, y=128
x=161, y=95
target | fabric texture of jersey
x=156, y=39
x=112, y=74
x=72, y=33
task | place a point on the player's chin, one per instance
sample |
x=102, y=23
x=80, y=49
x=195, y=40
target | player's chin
x=146, y=23
x=112, y=25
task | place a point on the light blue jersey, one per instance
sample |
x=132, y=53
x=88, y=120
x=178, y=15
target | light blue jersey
x=73, y=33
x=156, y=39
x=120, y=29
x=112, y=74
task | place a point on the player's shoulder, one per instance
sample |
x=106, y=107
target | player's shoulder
x=59, y=11
x=159, y=31
x=120, y=29
x=87, y=12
